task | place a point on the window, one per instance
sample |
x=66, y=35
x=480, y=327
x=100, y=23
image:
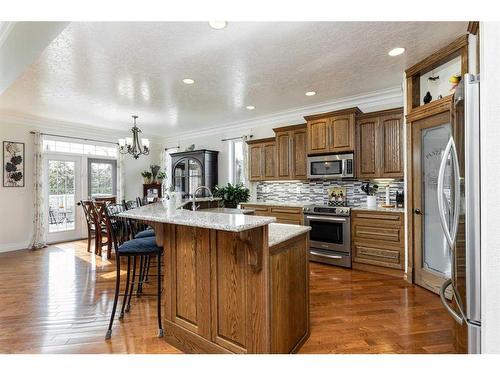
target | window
x=50, y=145
x=237, y=161
x=101, y=177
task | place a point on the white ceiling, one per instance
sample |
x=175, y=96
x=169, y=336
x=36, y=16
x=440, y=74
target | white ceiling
x=101, y=73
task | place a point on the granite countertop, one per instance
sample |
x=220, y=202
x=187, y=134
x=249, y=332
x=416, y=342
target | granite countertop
x=160, y=213
x=279, y=233
x=378, y=208
x=225, y=210
x=201, y=199
x=281, y=204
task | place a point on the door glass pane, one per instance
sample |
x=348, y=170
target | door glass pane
x=435, y=248
x=101, y=178
x=61, y=187
x=195, y=174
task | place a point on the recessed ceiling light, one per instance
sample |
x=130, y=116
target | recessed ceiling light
x=217, y=25
x=310, y=93
x=396, y=51
x=188, y=81
x=250, y=107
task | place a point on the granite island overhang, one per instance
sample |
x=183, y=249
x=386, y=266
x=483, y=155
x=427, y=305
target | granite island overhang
x=232, y=283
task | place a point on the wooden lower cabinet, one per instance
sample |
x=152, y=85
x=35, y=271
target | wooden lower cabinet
x=228, y=292
x=378, y=239
x=283, y=215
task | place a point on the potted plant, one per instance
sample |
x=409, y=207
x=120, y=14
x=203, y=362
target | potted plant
x=161, y=176
x=232, y=195
x=371, y=194
x=154, y=172
x=146, y=175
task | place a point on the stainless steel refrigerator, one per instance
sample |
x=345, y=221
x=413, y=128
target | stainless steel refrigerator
x=458, y=195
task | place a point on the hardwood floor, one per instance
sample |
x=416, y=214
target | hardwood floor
x=58, y=300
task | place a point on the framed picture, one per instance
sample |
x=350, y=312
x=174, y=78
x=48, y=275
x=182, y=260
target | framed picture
x=13, y=164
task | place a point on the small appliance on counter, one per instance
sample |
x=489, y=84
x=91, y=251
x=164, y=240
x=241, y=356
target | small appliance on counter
x=330, y=235
x=400, y=199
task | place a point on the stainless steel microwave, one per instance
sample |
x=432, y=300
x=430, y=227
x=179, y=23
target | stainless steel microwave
x=330, y=166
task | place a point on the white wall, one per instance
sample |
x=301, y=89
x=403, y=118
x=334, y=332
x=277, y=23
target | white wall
x=134, y=167
x=490, y=181
x=16, y=203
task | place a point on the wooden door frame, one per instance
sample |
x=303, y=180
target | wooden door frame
x=436, y=107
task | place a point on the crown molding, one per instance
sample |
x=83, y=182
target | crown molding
x=367, y=102
x=66, y=128
x=5, y=29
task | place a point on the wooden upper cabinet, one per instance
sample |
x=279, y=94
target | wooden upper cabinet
x=379, y=144
x=291, y=144
x=284, y=149
x=342, y=133
x=391, y=133
x=262, y=163
x=255, y=162
x=269, y=160
x=318, y=132
x=367, y=160
x=332, y=132
x=299, y=153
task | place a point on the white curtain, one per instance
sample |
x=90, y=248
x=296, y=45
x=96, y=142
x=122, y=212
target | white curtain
x=120, y=179
x=39, y=239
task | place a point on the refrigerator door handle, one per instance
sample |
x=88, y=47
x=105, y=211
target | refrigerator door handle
x=458, y=316
x=449, y=233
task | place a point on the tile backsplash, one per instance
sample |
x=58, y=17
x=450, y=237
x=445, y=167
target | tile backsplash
x=317, y=191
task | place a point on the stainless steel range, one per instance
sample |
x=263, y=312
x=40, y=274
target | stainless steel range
x=330, y=236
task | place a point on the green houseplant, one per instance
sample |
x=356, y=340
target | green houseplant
x=161, y=176
x=232, y=195
x=146, y=175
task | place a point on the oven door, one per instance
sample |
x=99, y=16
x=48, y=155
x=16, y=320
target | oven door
x=329, y=232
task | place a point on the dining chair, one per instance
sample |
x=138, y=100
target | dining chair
x=103, y=237
x=105, y=199
x=90, y=217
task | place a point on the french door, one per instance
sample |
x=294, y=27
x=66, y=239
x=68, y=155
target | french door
x=63, y=190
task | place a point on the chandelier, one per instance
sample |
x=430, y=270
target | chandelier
x=134, y=145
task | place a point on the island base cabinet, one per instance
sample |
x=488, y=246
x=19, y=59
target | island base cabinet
x=228, y=292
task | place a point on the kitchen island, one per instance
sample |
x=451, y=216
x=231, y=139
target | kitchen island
x=232, y=283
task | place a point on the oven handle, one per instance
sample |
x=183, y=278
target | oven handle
x=325, y=255
x=321, y=218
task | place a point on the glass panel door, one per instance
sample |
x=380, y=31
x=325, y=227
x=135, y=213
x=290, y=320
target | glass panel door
x=62, y=193
x=436, y=255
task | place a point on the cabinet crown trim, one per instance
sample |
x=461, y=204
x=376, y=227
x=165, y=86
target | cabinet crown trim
x=261, y=140
x=354, y=110
x=289, y=127
x=385, y=112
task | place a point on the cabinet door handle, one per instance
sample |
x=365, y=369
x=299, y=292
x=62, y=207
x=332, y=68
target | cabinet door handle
x=290, y=156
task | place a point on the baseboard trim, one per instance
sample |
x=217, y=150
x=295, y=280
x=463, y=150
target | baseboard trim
x=4, y=248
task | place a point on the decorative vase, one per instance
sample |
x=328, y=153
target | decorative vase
x=172, y=202
x=371, y=201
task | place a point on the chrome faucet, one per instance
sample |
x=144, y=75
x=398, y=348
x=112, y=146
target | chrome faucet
x=193, y=205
